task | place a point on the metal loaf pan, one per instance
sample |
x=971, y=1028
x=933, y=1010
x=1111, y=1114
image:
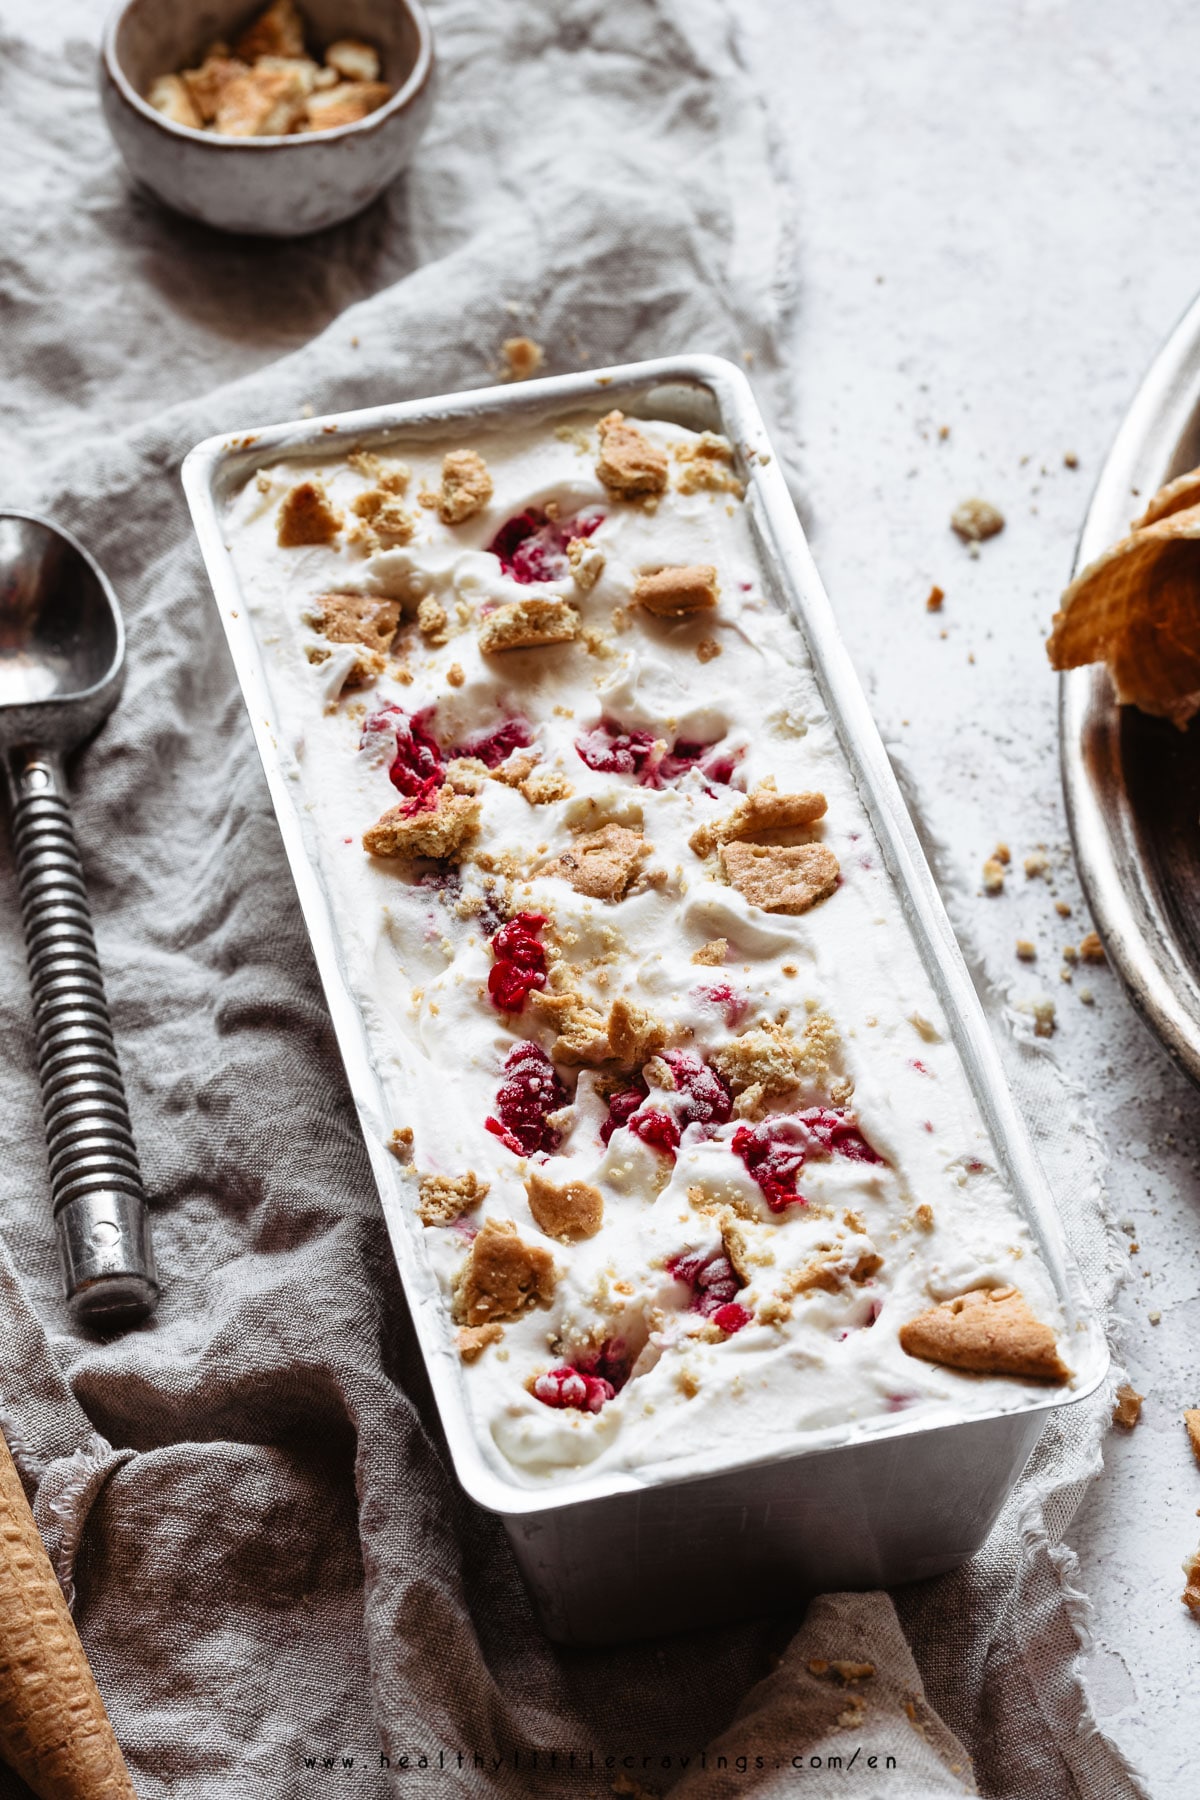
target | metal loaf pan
x=620, y=1555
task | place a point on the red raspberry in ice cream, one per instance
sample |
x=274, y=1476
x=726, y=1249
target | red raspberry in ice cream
x=496, y=743
x=656, y=1128
x=416, y=768
x=724, y=999
x=715, y=1284
x=612, y=750
x=621, y=1107
x=774, y=1154
x=520, y=963
x=704, y=1098
x=566, y=1386
x=532, y=546
x=530, y=1090
x=776, y=1151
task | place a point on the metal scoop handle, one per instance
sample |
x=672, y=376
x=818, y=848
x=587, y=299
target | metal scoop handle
x=99, y=1202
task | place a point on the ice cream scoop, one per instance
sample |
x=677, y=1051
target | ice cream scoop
x=62, y=665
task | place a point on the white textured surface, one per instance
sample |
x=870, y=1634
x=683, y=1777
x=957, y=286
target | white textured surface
x=996, y=231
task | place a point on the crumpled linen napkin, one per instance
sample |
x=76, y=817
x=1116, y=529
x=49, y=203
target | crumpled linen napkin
x=274, y=1574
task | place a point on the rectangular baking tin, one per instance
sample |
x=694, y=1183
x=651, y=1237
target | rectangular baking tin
x=621, y=1554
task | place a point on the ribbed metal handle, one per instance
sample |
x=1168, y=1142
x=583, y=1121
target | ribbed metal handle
x=99, y=1201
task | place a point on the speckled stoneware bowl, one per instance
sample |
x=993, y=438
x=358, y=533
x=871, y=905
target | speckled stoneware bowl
x=276, y=186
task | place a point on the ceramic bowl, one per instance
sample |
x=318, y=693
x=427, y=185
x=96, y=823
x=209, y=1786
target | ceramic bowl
x=274, y=186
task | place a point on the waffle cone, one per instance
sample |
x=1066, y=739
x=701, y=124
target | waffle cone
x=1137, y=608
x=53, y=1727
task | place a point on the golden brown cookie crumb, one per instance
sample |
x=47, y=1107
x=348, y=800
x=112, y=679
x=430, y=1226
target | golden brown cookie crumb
x=935, y=599
x=988, y=1330
x=385, y=514
x=1191, y=1419
x=629, y=465
x=473, y=1340
x=278, y=31
x=1026, y=949
x=761, y=812
x=767, y=1061
x=587, y=563
x=1128, y=1409
x=522, y=358
x=634, y=1034
x=444, y=1198
x=440, y=833
x=364, y=619
x=169, y=96
x=600, y=863
x=707, y=649
x=502, y=1277
x=432, y=622
x=573, y=1210
x=975, y=520
x=993, y=876
x=1044, y=1020
x=306, y=516
x=672, y=593
x=1091, y=950
x=707, y=464
x=781, y=878
x=521, y=624
x=713, y=953
x=923, y=1216
x=1036, y=864
x=466, y=486
x=262, y=102
x=583, y=1033
x=344, y=104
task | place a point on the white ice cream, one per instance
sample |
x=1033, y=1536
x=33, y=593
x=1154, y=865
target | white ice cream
x=418, y=960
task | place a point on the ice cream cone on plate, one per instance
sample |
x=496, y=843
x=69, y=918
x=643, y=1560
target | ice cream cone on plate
x=53, y=1727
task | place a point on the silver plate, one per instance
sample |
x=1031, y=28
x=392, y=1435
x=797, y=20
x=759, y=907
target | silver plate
x=1132, y=783
x=619, y=1554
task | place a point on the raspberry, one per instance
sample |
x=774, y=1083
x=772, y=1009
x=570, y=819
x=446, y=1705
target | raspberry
x=611, y=750
x=775, y=1151
x=416, y=768
x=732, y=1006
x=610, y=1363
x=837, y=1135
x=731, y=1317
x=714, y=1284
x=533, y=547
x=495, y=745
x=621, y=1107
x=656, y=1128
x=566, y=1386
x=705, y=1098
x=530, y=1090
x=520, y=963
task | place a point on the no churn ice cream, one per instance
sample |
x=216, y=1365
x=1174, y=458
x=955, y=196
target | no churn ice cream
x=695, y=1161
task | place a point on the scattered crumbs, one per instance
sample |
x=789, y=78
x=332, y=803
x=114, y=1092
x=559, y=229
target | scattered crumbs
x=1043, y=1018
x=1070, y=953
x=522, y=358
x=1002, y=854
x=1062, y=909
x=1128, y=1409
x=1091, y=950
x=993, y=876
x=454, y=675
x=1155, y=1318
x=1026, y=949
x=943, y=430
x=974, y=520
x=791, y=969
x=1087, y=996
x=923, y=1216
x=707, y=649
x=1070, y=460
x=1036, y=863
x=935, y=599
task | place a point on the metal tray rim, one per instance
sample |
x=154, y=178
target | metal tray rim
x=218, y=462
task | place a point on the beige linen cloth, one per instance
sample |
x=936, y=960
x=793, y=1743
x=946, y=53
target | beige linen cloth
x=280, y=1587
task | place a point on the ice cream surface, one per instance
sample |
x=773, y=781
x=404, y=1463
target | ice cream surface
x=683, y=1134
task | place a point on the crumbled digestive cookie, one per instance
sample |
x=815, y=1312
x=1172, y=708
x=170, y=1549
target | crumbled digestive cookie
x=268, y=85
x=691, y=1157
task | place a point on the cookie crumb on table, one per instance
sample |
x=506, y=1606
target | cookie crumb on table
x=522, y=358
x=1128, y=1408
x=974, y=520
